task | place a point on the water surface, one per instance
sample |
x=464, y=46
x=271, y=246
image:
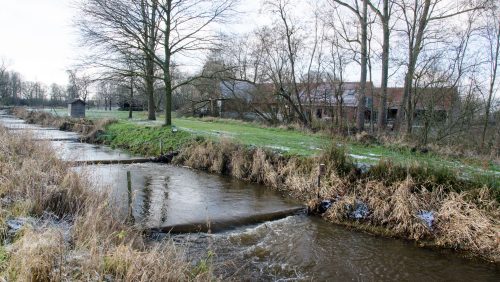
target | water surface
x=72, y=150
x=301, y=248
x=164, y=195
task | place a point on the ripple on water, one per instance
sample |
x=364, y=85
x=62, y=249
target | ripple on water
x=304, y=248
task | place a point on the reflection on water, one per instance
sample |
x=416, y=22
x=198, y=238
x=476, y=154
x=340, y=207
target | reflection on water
x=165, y=195
x=146, y=201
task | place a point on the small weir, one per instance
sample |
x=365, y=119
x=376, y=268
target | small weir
x=227, y=224
x=108, y=162
x=173, y=199
x=254, y=232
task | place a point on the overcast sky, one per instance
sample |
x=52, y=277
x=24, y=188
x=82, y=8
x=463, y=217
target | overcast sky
x=39, y=41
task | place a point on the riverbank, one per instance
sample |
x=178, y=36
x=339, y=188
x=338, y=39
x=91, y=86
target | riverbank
x=429, y=205
x=294, y=140
x=56, y=227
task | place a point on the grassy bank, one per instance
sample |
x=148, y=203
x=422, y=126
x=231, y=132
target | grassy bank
x=465, y=211
x=290, y=141
x=67, y=232
x=143, y=140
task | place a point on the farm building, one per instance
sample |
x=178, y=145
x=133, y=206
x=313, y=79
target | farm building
x=76, y=109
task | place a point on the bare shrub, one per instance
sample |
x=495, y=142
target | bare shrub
x=375, y=194
x=257, y=173
x=197, y=155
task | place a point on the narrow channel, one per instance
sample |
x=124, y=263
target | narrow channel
x=245, y=245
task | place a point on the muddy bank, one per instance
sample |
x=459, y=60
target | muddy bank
x=432, y=207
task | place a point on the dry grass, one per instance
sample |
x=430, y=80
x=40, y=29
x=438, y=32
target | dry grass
x=38, y=256
x=128, y=264
x=404, y=207
x=100, y=246
x=394, y=198
x=462, y=225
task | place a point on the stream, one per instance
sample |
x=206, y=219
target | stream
x=243, y=244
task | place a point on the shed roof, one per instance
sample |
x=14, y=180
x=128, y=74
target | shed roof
x=77, y=101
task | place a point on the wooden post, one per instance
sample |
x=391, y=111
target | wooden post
x=161, y=147
x=129, y=188
x=322, y=171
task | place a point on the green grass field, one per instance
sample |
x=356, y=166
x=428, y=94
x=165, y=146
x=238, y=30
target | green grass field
x=285, y=141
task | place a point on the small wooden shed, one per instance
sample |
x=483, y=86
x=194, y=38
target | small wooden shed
x=76, y=109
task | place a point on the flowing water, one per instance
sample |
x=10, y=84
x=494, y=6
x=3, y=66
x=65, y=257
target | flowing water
x=166, y=196
x=293, y=248
x=310, y=249
x=74, y=150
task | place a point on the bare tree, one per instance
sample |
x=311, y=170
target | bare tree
x=245, y=77
x=3, y=67
x=186, y=29
x=57, y=94
x=417, y=19
x=4, y=80
x=491, y=33
x=106, y=90
x=340, y=57
x=314, y=73
x=384, y=14
x=73, y=89
x=360, y=10
x=79, y=85
x=123, y=29
x=34, y=92
x=281, y=49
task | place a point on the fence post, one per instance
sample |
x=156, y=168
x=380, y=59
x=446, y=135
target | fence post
x=130, y=217
x=322, y=171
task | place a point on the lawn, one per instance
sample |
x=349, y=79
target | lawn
x=293, y=142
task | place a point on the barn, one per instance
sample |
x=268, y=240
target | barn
x=76, y=109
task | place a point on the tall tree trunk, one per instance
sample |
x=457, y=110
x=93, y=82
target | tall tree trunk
x=414, y=51
x=149, y=42
x=131, y=100
x=167, y=79
x=495, y=54
x=150, y=92
x=382, y=107
x=360, y=119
